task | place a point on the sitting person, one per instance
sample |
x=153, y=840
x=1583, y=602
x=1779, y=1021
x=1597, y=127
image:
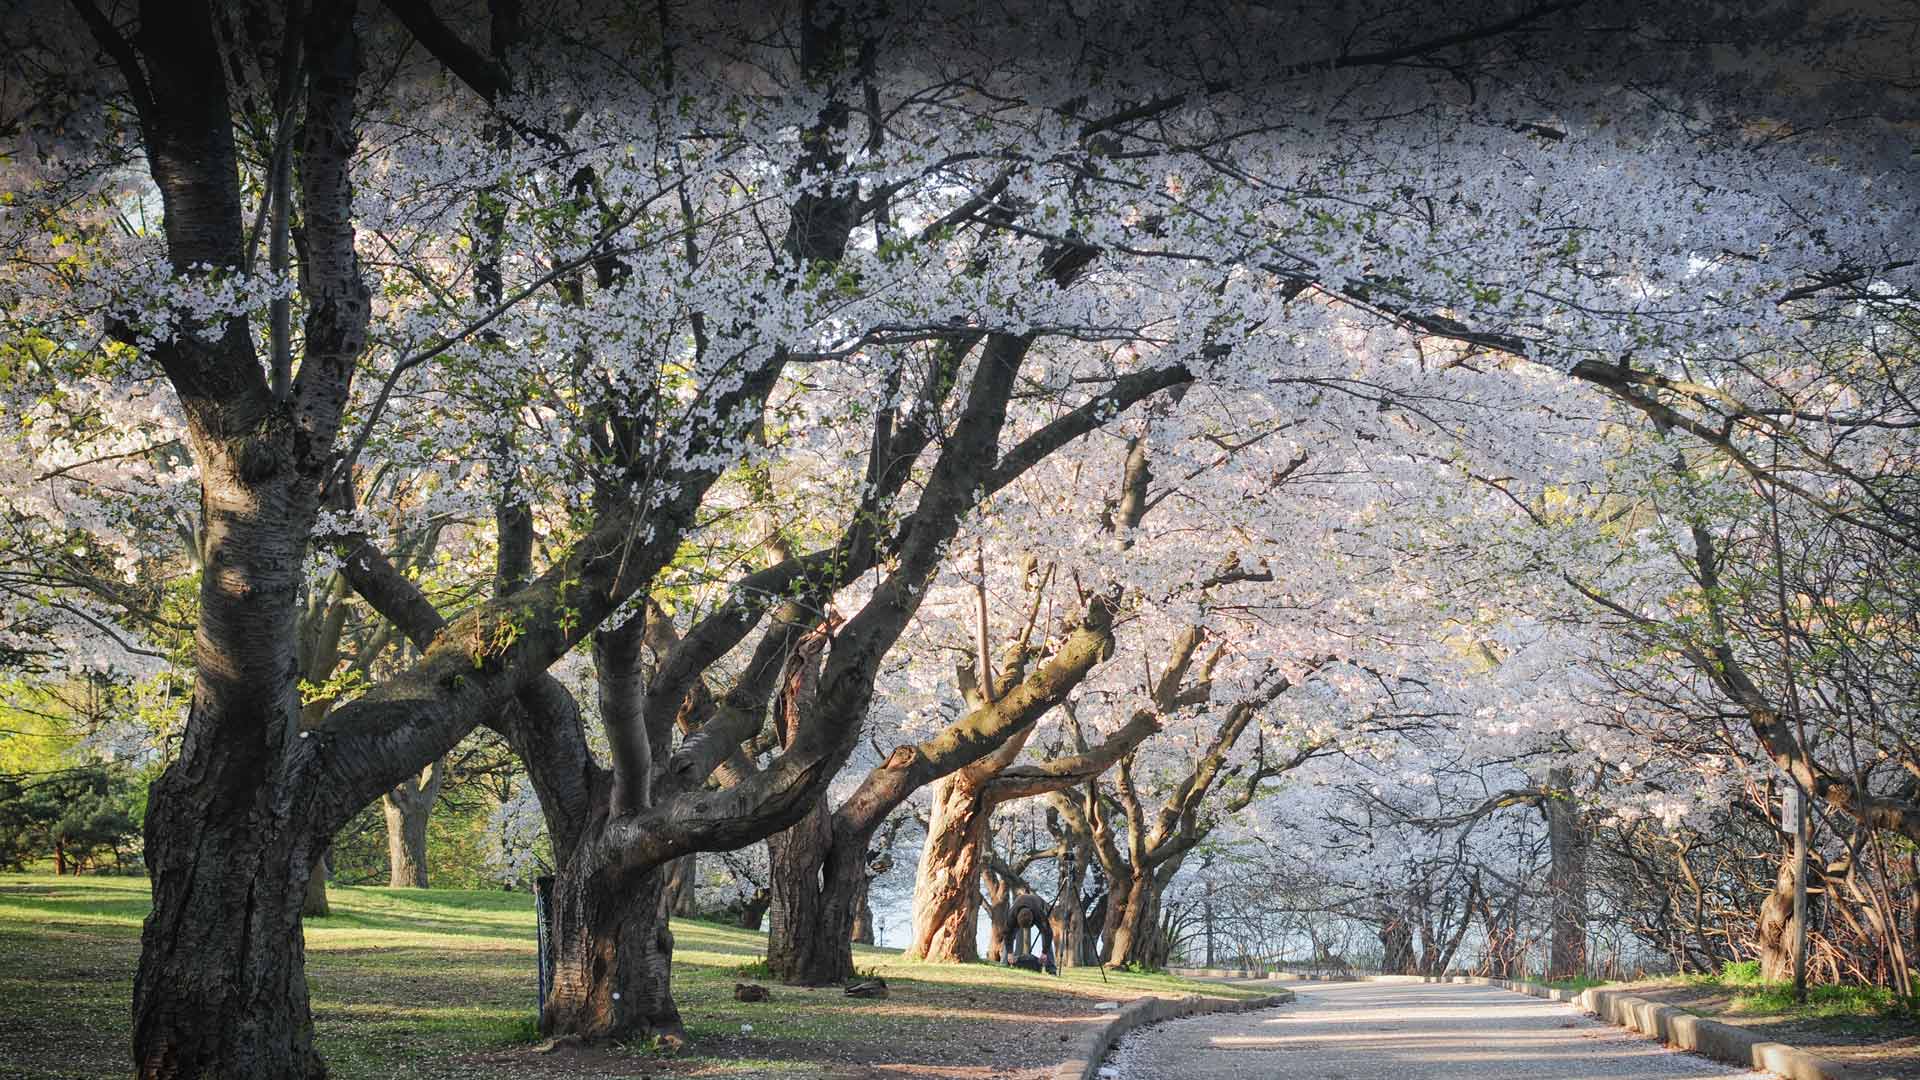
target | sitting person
x=1029, y=912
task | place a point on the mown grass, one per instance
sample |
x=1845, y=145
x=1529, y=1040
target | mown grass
x=433, y=983
x=1579, y=983
x=1753, y=995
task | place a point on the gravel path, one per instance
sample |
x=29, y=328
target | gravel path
x=1403, y=1031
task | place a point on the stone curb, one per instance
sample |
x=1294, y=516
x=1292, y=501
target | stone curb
x=1096, y=1044
x=1683, y=1030
x=1274, y=976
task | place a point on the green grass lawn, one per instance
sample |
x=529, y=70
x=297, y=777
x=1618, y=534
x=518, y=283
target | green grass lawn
x=431, y=983
x=1749, y=993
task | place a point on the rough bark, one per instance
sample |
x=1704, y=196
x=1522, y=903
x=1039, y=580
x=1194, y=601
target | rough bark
x=1133, y=919
x=753, y=909
x=407, y=807
x=796, y=938
x=316, y=906
x=945, y=920
x=614, y=953
x=828, y=894
x=996, y=897
x=1396, y=947
x=863, y=928
x=1776, y=926
x=683, y=875
x=230, y=832
x=1075, y=945
x=1567, y=881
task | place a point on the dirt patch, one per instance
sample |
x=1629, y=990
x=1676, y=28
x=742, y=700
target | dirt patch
x=1888, y=1047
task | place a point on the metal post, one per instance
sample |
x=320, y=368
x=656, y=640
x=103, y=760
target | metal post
x=543, y=935
x=1797, y=807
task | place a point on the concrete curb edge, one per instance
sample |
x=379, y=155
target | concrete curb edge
x=1096, y=1044
x=1683, y=1030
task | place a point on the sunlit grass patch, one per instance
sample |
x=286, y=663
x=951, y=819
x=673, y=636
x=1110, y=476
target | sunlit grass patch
x=1753, y=995
x=441, y=983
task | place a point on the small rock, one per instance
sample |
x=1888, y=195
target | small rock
x=746, y=1029
x=1107, y=1006
x=1107, y=1072
x=751, y=992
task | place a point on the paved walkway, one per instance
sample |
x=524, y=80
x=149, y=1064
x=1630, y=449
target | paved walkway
x=1404, y=1031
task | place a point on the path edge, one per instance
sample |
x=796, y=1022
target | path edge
x=1095, y=1045
x=1682, y=1030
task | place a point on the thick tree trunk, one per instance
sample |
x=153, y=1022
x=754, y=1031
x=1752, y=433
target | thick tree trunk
x=863, y=932
x=945, y=920
x=235, y=949
x=1776, y=926
x=753, y=910
x=407, y=808
x=796, y=941
x=612, y=958
x=1133, y=923
x=406, y=845
x=1567, y=883
x=315, y=905
x=1069, y=918
x=818, y=882
x=221, y=989
x=1396, y=947
x=681, y=898
x=998, y=895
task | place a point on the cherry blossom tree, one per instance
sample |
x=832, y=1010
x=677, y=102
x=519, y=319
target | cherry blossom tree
x=603, y=275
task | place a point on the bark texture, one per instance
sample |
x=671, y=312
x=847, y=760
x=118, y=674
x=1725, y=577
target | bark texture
x=945, y=918
x=1567, y=880
x=407, y=807
x=614, y=955
x=863, y=925
x=316, y=906
x=681, y=898
x=1776, y=926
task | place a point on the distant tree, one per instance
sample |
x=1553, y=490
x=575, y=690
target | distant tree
x=77, y=817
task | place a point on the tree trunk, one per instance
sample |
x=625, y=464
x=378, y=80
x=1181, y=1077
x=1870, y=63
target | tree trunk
x=1567, y=882
x=1098, y=942
x=221, y=989
x=818, y=882
x=863, y=933
x=753, y=910
x=406, y=845
x=59, y=856
x=681, y=896
x=407, y=808
x=1069, y=918
x=1776, y=926
x=315, y=906
x=795, y=938
x=613, y=954
x=945, y=920
x=1132, y=920
x=1206, y=917
x=998, y=894
x=1396, y=947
